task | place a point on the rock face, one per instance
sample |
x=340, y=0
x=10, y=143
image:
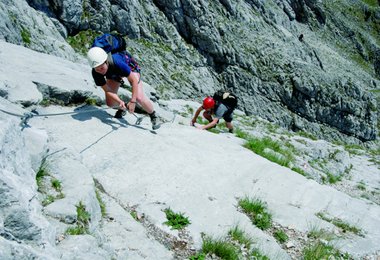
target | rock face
x=76, y=183
x=289, y=61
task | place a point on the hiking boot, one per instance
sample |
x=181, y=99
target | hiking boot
x=156, y=122
x=119, y=113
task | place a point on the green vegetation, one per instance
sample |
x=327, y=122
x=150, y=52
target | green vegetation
x=307, y=135
x=178, y=76
x=158, y=47
x=202, y=121
x=50, y=101
x=271, y=150
x=85, y=14
x=91, y=101
x=316, y=233
x=236, y=245
x=82, y=41
x=41, y=173
x=25, y=36
x=331, y=178
x=240, y=236
x=257, y=211
x=241, y=134
x=373, y=3
x=56, y=184
x=281, y=236
x=345, y=227
x=320, y=246
x=190, y=110
x=198, y=256
x=220, y=247
x=102, y=205
x=375, y=154
x=134, y=215
x=82, y=223
x=258, y=256
x=48, y=200
x=299, y=170
x=42, y=179
x=176, y=220
x=361, y=186
x=321, y=250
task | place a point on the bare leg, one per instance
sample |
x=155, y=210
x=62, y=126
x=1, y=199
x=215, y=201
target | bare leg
x=207, y=115
x=230, y=127
x=142, y=99
x=113, y=87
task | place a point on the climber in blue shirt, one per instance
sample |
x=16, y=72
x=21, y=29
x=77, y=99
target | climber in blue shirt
x=108, y=72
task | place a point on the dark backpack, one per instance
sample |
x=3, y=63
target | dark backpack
x=112, y=43
x=227, y=98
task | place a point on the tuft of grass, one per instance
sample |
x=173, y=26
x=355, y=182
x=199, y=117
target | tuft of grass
x=264, y=146
x=373, y=3
x=240, y=236
x=321, y=250
x=198, y=256
x=257, y=255
x=202, y=121
x=189, y=109
x=281, y=236
x=25, y=36
x=41, y=173
x=331, y=178
x=257, y=211
x=214, y=130
x=42, y=178
x=361, y=186
x=241, y=134
x=48, y=200
x=299, y=170
x=344, y=226
x=316, y=233
x=82, y=223
x=220, y=247
x=307, y=135
x=45, y=102
x=56, y=184
x=134, y=215
x=236, y=245
x=176, y=220
x=91, y=101
x=102, y=205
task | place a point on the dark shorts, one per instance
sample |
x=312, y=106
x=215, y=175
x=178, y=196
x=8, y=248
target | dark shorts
x=116, y=78
x=228, y=116
x=119, y=79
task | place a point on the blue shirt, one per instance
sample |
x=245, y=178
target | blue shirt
x=221, y=110
x=119, y=69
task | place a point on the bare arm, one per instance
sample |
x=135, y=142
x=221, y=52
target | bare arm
x=113, y=97
x=196, y=115
x=210, y=125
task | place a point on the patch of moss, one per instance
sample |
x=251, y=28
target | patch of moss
x=25, y=35
x=82, y=41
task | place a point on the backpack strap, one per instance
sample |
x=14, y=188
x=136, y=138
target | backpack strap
x=110, y=60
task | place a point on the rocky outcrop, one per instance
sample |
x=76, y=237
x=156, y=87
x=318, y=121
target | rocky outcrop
x=288, y=61
x=76, y=183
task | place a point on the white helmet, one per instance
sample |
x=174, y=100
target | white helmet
x=96, y=56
